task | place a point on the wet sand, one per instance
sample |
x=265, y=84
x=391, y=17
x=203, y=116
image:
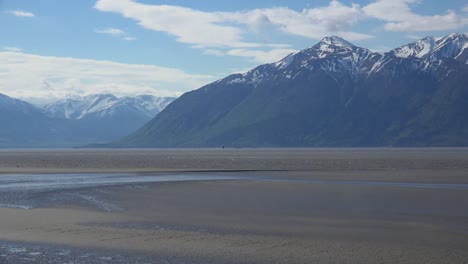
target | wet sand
x=272, y=206
x=149, y=160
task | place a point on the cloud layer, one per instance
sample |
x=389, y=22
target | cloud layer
x=222, y=29
x=224, y=33
x=399, y=16
x=313, y=23
x=48, y=78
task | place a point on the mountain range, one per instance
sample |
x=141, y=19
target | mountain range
x=332, y=94
x=102, y=106
x=23, y=124
x=75, y=121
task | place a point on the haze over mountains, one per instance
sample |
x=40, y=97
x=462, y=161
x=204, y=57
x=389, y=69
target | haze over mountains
x=77, y=121
x=332, y=94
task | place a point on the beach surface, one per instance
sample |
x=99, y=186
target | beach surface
x=234, y=206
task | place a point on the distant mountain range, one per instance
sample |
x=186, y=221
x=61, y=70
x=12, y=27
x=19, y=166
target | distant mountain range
x=332, y=94
x=77, y=121
x=101, y=106
x=23, y=124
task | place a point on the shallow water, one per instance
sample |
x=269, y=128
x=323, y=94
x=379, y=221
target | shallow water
x=45, y=190
x=71, y=181
x=383, y=184
x=22, y=253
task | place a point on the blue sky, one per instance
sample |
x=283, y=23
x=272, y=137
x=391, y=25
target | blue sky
x=52, y=49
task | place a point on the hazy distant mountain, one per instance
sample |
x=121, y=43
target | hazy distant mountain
x=13, y=105
x=72, y=122
x=102, y=106
x=22, y=123
x=104, y=117
x=332, y=94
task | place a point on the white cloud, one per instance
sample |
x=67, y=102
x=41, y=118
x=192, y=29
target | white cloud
x=12, y=49
x=257, y=56
x=260, y=23
x=217, y=32
x=115, y=32
x=187, y=25
x=399, y=16
x=111, y=31
x=20, y=13
x=49, y=78
x=197, y=27
x=214, y=52
x=261, y=56
x=313, y=23
x=222, y=29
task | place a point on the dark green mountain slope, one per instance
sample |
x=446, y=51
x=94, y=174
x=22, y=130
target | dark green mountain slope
x=333, y=94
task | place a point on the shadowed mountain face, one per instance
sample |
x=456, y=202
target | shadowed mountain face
x=23, y=124
x=71, y=122
x=332, y=94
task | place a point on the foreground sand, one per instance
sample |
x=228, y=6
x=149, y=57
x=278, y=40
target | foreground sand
x=253, y=220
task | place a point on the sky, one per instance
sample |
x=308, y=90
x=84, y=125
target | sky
x=55, y=49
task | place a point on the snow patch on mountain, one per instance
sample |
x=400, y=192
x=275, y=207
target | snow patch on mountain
x=335, y=41
x=105, y=105
x=418, y=49
x=339, y=58
x=451, y=46
x=284, y=63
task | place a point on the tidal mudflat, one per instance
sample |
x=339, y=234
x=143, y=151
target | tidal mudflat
x=234, y=206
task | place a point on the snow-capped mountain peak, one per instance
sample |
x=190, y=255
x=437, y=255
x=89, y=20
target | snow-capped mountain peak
x=339, y=58
x=104, y=105
x=335, y=41
x=450, y=46
x=334, y=46
x=418, y=49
